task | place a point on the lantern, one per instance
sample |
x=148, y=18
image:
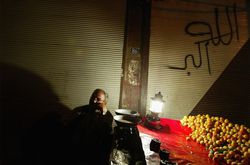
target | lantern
x=156, y=107
x=156, y=103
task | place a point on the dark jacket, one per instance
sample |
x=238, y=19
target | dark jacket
x=90, y=135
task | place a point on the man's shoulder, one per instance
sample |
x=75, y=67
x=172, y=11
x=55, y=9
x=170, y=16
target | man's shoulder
x=108, y=113
x=81, y=109
x=109, y=118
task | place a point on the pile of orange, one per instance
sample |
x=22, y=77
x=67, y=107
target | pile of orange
x=226, y=142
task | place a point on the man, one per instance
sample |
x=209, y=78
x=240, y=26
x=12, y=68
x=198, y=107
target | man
x=91, y=131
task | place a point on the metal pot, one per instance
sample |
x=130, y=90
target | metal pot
x=126, y=120
x=126, y=117
x=126, y=112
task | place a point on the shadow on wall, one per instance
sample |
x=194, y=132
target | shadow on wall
x=229, y=96
x=32, y=119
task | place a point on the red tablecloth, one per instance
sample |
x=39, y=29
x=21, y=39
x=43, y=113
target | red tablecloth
x=173, y=138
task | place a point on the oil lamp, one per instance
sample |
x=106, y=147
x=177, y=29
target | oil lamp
x=156, y=107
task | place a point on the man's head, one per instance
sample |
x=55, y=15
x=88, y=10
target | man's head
x=98, y=99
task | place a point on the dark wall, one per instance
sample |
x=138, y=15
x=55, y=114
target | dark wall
x=229, y=96
x=31, y=116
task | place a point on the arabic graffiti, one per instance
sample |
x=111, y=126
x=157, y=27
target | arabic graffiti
x=219, y=38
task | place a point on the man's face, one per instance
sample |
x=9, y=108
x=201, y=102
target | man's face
x=100, y=98
x=99, y=102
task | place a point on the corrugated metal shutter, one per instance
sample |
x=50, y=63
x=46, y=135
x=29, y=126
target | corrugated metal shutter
x=170, y=44
x=75, y=45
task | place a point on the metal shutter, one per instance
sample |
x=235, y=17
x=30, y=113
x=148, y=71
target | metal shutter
x=75, y=45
